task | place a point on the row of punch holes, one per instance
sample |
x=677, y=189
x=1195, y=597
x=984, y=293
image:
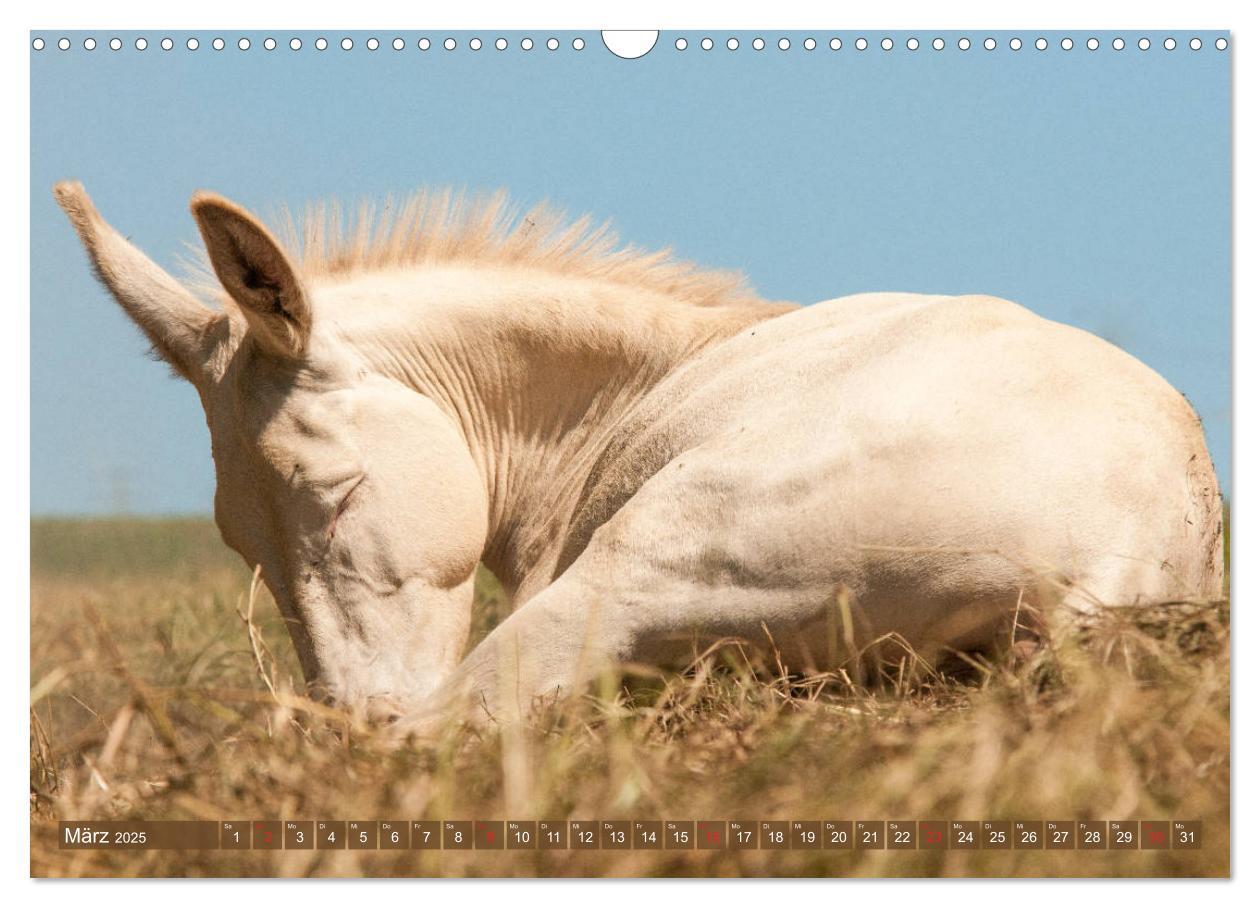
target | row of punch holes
x=681, y=44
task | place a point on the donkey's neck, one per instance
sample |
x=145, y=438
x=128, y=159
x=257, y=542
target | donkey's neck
x=537, y=371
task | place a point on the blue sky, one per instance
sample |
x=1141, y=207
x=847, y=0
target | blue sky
x=1092, y=187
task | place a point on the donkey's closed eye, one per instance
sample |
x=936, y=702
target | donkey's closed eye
x=341, y=508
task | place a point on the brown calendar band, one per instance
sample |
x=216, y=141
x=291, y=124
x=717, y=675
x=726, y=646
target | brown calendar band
x=633, y=835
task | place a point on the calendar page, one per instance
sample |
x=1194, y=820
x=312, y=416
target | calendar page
x=704, y=453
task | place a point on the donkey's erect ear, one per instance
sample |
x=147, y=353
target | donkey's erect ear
x=256, y=274
x=174, y=321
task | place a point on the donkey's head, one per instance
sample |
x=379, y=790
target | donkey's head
x=356, y=495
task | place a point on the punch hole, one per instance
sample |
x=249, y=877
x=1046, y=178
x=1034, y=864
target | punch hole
x=630, y=45
x=1066, y=44
x=63, y=44
x=1170, y=44
x=964, y=43
x=1196, y=44
x=860, y=44
x=1092, y=44
x=115, y=44
x=732, y=44
x=810, y=43
x=373, y=44
x=886, y=44
x=501, y=44
x=89, y=44
x=707, y=44
x=938, y=44
x=321, y=44
x=449, y=44
x=680, y=44
x=1042, y=44
x=759, y=44
x=347, y=44
x=912, y=44
x=38, y=44
x=527, y=44
x=784, y=44
x=578, y=44
x=552, y=44
x=1221, y=44
x=269, y=44
x=167, y=44
x=1118, y=44
x=398, y=44
x=243, y=44
x=296, y=44
x=835, y=44
x=1016, y=44
x=141, y=44
x=990, y=44
x=192, y=44
x=474, y=44
x=1144, y=44
x=218, y=44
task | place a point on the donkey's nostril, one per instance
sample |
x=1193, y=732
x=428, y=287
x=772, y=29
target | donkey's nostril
x=382, y=710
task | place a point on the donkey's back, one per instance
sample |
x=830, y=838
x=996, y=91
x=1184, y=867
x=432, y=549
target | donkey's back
x=941, y=459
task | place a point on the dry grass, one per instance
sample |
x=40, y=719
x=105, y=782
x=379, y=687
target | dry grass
x=150, y=699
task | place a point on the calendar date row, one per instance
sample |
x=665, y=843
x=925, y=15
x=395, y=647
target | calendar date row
x=635, y=835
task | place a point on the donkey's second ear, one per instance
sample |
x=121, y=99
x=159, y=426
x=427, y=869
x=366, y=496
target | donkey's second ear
x=256, y=273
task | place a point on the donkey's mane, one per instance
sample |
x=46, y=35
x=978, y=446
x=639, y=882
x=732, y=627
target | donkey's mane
x=443, y=227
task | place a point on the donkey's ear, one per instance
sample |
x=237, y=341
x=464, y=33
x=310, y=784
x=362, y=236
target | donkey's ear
x=256, y=274
x=174, y=321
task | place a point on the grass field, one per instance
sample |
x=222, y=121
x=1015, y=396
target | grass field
x=148, y=700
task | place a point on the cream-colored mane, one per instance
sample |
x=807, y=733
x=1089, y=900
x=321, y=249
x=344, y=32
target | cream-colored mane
x=432, y=227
